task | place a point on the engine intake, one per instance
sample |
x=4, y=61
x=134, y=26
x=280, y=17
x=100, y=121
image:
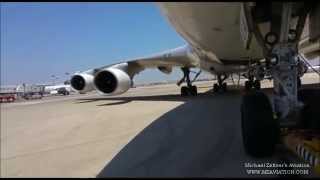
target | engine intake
x=82, y=82
x=112, y=81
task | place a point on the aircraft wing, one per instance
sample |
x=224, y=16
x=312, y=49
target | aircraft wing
x=123, y=72
x=164, y=61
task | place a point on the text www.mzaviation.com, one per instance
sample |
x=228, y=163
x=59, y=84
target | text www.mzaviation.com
x=276, y=169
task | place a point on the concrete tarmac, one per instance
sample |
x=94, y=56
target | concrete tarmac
x=146, y=132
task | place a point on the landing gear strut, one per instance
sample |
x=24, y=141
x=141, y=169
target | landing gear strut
x=261, y=119
x=221, y=85
x=188, y=90
x=255, y=75
x=252, y=84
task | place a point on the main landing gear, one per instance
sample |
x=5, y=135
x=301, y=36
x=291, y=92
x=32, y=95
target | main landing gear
x=188, y=90
x=252, y=84
x=261, y=120
x=221, y=85
x=255, y=74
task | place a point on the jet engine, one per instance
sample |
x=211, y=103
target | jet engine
x=82, y=82
x=112, y=81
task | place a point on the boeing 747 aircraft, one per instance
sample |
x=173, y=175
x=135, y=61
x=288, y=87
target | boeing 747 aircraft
x=256, y=39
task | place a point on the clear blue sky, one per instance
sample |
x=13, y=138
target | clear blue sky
x=43, y=39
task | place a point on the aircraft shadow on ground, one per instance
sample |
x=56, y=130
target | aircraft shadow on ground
x=126, y=99
x=171, y=97
x=200, y=138
x=167, y=97
x=189, y=140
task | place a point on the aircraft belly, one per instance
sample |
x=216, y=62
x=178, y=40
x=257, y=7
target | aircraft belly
x=212, y=27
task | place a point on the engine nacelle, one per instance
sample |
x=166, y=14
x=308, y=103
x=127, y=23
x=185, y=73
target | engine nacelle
x=112, y=81
x=82, y=82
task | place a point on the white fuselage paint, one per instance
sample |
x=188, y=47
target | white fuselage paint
x=213, y=31
x=54, y=88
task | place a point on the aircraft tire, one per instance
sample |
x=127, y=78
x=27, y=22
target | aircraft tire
x=257, y=84
x=260, y=131
x=215, y=87
x=248, y=85
x=310, y=110
x=224, y=87
x=299, y=82
x=193, y=90
x=184, y=91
